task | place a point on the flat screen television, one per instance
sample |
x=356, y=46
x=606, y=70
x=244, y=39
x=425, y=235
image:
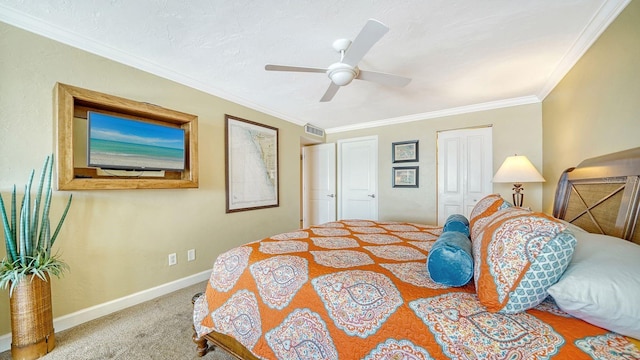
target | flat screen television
x=126, y=144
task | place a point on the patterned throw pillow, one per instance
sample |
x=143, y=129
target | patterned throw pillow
x=508, y=211
x=484, y=208
x=517, y=257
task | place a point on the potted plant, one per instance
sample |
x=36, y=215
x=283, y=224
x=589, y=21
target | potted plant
x=27, y=267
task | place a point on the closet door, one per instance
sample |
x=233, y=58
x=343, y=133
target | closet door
x=465, y=166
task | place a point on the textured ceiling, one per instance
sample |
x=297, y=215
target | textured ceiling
x=463, y=55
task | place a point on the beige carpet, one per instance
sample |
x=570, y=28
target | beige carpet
x=157, y=329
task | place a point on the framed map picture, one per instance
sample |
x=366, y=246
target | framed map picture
x=251, y=162
x=405, y=177
x=405, y=151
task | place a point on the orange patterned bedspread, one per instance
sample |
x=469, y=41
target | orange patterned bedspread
x=361, y=290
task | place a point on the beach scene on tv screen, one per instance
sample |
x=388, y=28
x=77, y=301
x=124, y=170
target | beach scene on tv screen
x=119, y=143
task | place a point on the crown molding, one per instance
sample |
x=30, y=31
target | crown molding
x=525, y=100
x=601, y=20
x=47, y=30
x=608, y=12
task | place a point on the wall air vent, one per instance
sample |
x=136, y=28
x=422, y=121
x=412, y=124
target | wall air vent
x=313, y=130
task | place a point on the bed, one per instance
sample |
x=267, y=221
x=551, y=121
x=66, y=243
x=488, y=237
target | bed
x=359, y=289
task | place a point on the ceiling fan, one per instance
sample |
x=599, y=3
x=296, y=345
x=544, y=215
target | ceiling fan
x=345, y=70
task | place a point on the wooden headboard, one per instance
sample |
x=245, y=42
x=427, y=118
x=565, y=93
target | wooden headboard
x=602, y=195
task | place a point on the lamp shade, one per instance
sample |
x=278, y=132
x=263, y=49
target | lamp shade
x=517, y=169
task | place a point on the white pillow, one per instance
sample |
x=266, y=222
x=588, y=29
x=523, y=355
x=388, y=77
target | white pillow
x=602, y=283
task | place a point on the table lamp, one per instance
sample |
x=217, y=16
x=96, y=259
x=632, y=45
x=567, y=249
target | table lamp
x=517, y=169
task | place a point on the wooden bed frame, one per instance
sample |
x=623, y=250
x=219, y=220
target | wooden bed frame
x=600, y=195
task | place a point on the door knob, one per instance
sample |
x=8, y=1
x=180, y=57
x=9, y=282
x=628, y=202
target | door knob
x=330, y=195
x=372, y=195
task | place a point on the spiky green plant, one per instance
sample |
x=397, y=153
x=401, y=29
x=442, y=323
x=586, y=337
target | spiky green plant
x=28, y=237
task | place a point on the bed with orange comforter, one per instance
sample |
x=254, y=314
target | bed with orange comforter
x=361, y=290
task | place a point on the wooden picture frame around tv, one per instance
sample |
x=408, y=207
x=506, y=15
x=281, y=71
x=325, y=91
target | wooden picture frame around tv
x=73, y=103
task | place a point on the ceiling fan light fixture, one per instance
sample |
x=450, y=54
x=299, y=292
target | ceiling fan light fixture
x=341, y=74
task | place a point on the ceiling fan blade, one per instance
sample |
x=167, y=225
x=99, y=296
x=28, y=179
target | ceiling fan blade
x=330, y=93
x=270, y=67
x=372, y=31
x=383, y=78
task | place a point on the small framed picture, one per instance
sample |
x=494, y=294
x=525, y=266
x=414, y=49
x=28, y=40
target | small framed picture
x=405, y=151
x=405, y=177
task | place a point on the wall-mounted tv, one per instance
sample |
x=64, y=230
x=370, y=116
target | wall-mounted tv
x=118, y=143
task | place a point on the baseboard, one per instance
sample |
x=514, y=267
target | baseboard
x=68, y=321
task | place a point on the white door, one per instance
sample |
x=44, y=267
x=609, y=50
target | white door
x=318, y=184
x=358, y=178
x=465, y=166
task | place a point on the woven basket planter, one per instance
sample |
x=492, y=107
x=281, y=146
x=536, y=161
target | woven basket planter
x=32, y=334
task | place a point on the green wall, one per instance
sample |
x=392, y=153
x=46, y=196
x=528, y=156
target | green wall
x=117, y=241
x=595, y=109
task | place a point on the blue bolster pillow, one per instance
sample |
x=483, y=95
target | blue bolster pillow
x=457, y=222
x=450, y=262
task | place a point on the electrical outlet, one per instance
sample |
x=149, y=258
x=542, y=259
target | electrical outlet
x=173, y=259
x=191, y=255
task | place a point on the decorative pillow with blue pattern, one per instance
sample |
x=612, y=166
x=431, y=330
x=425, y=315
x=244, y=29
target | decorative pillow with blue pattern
x=482, y=211
x=517, y=258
